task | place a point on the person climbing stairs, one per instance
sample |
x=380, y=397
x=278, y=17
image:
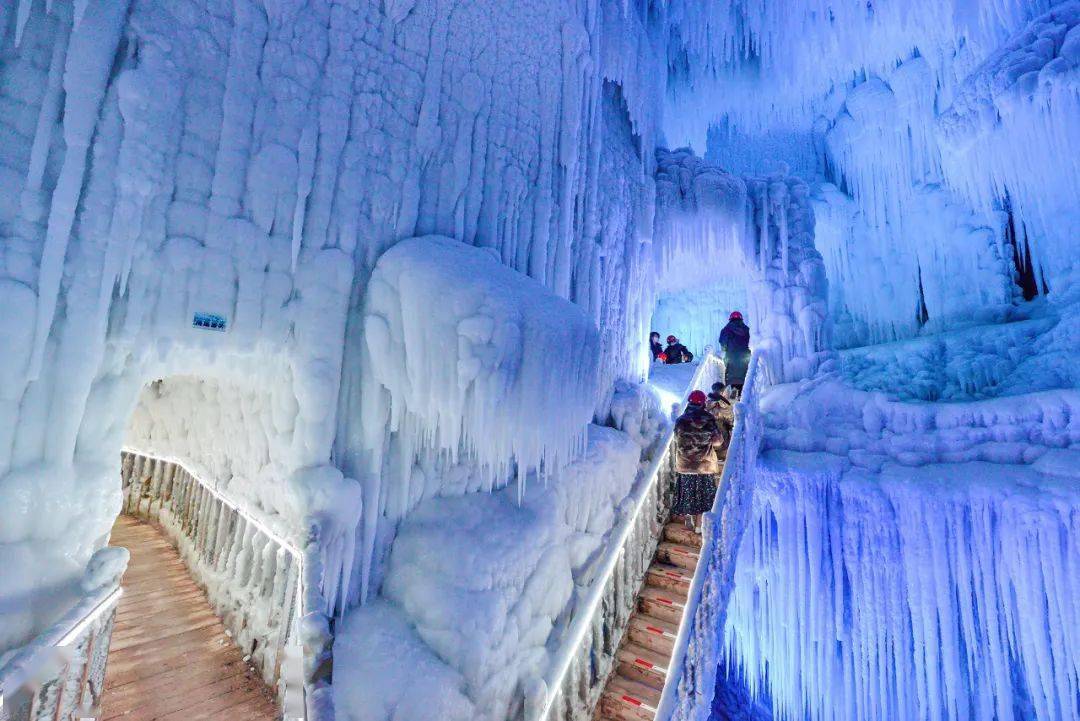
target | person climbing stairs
x=634, y=687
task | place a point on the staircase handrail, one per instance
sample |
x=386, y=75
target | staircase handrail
x=586, y=614
x=686, y=680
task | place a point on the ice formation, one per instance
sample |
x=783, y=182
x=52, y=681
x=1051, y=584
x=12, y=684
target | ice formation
x=1030, y=89
x=218, y=228
x=942, y=592
x=903, y=117
x=757, y=231
x=466, y=363
x=486, y=582
x=251, y=162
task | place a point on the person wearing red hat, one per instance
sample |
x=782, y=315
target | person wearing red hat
x=735, y=343
x=676, y=352
x=697, y=465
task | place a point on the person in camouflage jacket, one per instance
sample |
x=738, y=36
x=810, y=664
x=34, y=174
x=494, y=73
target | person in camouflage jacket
x=698, y=439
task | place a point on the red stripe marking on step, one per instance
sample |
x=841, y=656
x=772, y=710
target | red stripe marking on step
x=659, y=631
x=642, y=662
x=631, y=699
x=665, y=601
x=672, y=574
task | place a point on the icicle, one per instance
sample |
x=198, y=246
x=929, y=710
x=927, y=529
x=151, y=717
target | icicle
x=782, y=225
x=305, y=175
x=23, y=14
x=50, y=109
x=763, y=229
x=89, y=60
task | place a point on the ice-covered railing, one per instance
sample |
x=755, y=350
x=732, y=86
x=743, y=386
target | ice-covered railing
x=254, y=576
x=61, y=674
x=689, y=688
x=575, y=680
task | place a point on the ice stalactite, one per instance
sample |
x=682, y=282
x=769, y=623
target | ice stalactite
x=466, y=364
x=90, y=56
x=700, y=215
x=791, y=54
x=916, y=594
x=1027, y=90
x=875, y=276
x=788, y=292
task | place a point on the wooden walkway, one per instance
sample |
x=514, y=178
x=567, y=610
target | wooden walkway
x=170, y=658
x=635, y=684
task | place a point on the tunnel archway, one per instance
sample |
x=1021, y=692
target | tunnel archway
x=211, y=596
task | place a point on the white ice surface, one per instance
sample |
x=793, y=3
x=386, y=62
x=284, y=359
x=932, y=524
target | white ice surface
x=478, y=586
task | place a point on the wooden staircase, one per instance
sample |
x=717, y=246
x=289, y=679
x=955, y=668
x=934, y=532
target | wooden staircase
x=634, y=687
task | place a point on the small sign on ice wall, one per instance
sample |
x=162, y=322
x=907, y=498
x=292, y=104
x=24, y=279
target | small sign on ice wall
x=208, y=321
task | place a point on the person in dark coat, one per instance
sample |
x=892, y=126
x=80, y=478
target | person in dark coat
x=697, y=465
x=676, y=352
x=655, y=346
x=735, y=343
x=724, y=413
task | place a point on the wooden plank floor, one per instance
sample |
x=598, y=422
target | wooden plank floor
x=170, y=658
x=636, y=683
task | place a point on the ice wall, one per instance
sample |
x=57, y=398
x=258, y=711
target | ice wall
x=251, y=161
x=941, y=592
x=233, y=433
x=786, y=285
x=1010, y=130
x=883, y=287
x=915, y=112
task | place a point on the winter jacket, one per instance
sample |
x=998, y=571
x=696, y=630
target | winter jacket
x=724, y=413
x=697, y=440
x=735, y=341
x=656, y=349
x=735, y=337
x=722, y=410
x=677, y=353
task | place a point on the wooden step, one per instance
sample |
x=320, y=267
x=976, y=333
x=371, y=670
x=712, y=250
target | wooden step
x=638, y=663
x=673, y=578
x=626, y=700
x=678, y=555
x=662, y=604
x=653, y=633
x=679, y=533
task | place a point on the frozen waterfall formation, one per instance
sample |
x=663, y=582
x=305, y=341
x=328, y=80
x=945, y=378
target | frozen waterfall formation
x=215, y=222
x=350, y=264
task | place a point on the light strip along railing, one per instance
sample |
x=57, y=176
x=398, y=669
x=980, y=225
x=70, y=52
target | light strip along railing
x=253, y=576
x=586, y=654
x=61, y=673
x=691, y=680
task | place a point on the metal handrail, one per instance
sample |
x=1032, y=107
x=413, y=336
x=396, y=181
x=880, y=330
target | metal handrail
x=737, y=451
x=584, y=616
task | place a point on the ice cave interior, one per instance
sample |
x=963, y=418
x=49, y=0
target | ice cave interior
x=350, y=300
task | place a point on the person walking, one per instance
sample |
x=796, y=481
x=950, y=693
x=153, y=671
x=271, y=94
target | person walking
x=676, y=352
x=735, y=343
x=697, y=438
x=724, y=413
